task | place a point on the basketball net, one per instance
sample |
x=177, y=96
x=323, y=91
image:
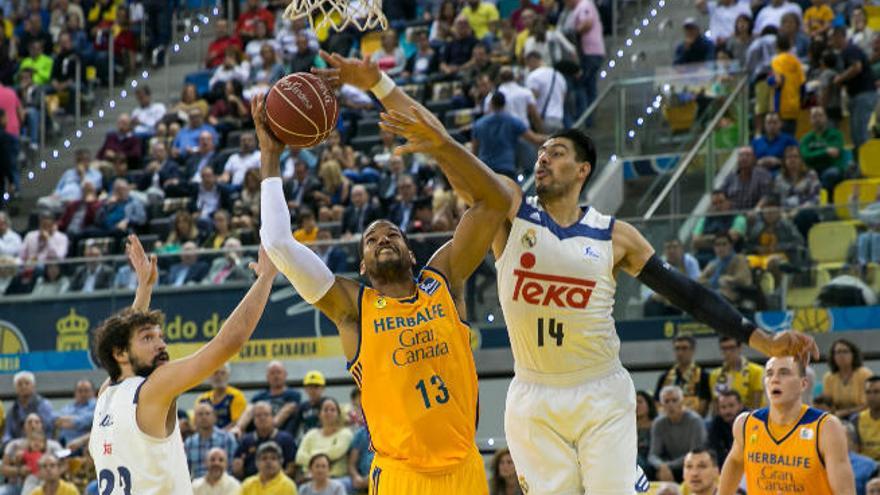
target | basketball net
x=339, y=14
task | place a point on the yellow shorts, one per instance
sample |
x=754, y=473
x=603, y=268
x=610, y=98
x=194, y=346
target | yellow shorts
x=763, y=98
x=389, y=477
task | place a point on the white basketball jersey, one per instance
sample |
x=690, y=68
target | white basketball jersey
x=556, y=287
x=127, y=460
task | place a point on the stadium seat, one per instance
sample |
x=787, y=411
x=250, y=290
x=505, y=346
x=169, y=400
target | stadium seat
x=804, y=297
x=869, y=158
x=458, y=119
x=201, y=79
x=829, y=243
x=415, y=91
x=873, y=13
x=842, y=192
x=444, y=90
x=160, y=227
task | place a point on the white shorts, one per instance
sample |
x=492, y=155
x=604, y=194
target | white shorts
x=572, y=440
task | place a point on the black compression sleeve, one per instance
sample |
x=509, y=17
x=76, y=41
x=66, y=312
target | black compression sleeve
x=705, y=305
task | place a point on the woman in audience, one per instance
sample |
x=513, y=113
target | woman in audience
x=321, y=484
x=646, y=411
x=331, y=439
x=798, y=189
x=221, y=231
x=185, y=229
x=859, y=33
x=234, y=67
x=441, y=28
x=738, y=44
x=52, y=282
x=844, y=383
x=333, y=196
x=504, y=480
x=189, y=99
x=270, y=68
x=390, y=57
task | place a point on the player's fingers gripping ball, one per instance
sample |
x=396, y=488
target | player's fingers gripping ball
x=301, y=110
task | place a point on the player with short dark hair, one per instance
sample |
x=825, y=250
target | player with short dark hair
x=135, y=439
x=788, y=447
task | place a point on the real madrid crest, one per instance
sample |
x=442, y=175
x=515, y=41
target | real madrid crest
x=380, y=303
x=529, y=239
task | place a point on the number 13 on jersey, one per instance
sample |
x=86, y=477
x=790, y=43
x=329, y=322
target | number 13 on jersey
x=437, y=391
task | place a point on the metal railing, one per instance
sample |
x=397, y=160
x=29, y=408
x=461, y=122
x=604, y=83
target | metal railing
x=707, y=140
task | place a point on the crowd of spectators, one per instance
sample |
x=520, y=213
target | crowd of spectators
x=53, y=52
x=692, y=409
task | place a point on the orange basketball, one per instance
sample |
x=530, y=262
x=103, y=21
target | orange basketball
x=301, y=109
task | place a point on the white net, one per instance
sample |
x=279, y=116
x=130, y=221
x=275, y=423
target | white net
x=365, y=15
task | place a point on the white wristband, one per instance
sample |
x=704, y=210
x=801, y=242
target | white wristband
x=384, y=87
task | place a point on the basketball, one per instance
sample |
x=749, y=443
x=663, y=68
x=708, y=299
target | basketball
x=301, y=110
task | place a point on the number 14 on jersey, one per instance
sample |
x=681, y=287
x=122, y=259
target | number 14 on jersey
x=552, y=329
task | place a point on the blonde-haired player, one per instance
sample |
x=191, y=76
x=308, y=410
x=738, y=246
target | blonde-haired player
x=788, y=447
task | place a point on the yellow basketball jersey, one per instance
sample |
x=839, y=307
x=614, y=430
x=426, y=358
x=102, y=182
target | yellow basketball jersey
x=869, y=434
x=787, y=462
x=417, y=377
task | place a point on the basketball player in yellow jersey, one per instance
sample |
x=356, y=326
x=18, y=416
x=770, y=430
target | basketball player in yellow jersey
x=407, y=347
x=788, y=447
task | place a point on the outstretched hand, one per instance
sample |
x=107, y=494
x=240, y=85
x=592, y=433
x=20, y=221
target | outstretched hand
x=144, y=266
x=263, y=267
x=268, y=142
x=422, y=130
x=361, y=73
x=786, y=343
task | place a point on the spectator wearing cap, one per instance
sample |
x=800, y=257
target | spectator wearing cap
x=206, y=437
x=858, y=78
x=269, y=480
x=496, y=135
x=245, y=461
x=695, y=47
x=284, y=401
x=27, y=401
x=723, y=15
x=332, y=439
x=216, y=480
x=770, y=146
x=46, y=240
x=308, y=413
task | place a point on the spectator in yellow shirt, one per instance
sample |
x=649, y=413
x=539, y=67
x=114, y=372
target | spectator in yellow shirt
x=308, y=227
x=788, y=77
x=482, y=16
x=817, y=19
x=867, y=422
x=50, y=473
x=269, y=479
x=737, y=373
x=228, y=402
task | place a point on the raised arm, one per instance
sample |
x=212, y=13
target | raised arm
x=732, y=470
x=145, y=268
x=169, y=381
x=336, y=297
x=634, y=255
x=491, y=200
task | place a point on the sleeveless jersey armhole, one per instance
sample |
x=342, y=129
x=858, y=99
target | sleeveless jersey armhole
x=818, y=435
x=357, y=352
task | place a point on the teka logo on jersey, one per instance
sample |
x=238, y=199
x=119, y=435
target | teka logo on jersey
x=543, y=290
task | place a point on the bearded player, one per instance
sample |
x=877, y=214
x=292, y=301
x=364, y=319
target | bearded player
x=135, y=440
x=407, y=346
x=788, y=447
x=570, y=414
